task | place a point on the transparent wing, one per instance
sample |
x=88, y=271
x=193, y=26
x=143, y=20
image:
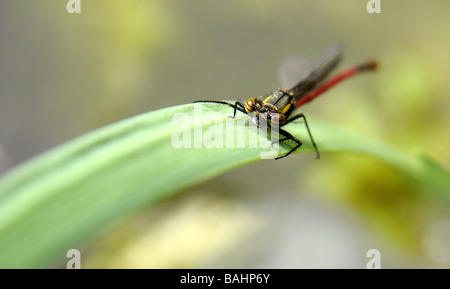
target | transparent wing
x=326, y=62
x=301, y=75
x=292, y=69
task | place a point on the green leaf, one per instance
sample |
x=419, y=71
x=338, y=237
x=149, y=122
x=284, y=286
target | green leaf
x=63, y=198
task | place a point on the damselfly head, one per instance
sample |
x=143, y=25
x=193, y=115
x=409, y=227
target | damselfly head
x=250, y=104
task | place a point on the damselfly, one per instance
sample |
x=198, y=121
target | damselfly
x=275, y=110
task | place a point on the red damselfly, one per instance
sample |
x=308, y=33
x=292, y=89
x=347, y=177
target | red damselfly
x=275, y=110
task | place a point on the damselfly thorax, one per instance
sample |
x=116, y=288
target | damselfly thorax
x=272, y=110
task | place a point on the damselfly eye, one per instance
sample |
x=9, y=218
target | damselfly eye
x=250, y=104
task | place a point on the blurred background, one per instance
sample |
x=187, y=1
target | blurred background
x=63, y=75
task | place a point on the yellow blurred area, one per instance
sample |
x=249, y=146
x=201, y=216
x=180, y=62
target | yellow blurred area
x=182, y=236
